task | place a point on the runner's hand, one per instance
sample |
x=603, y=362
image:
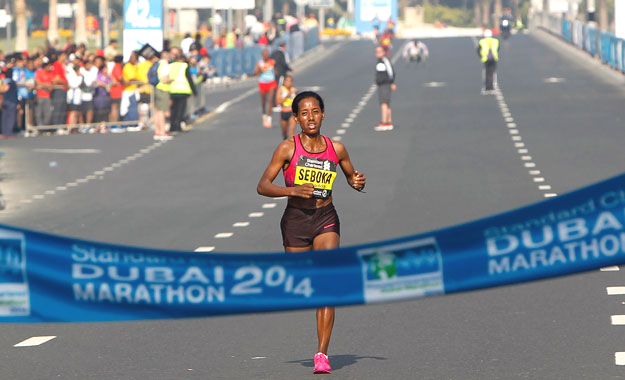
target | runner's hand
x=304, y=191
x=358, y=180
x=393, y=87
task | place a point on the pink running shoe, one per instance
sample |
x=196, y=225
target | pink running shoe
x=322, y=365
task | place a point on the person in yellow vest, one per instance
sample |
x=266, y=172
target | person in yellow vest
x=488, y=50
x=181, y=86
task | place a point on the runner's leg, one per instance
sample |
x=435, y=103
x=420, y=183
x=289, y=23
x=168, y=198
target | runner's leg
x=325, y=315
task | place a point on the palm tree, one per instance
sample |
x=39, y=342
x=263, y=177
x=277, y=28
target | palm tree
x=21, y=41
x=477, y=13
x=603, y=15
x=486, y=13
x=53, y=22
x=81, y=21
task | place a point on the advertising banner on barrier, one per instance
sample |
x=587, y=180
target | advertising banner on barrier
x=51, y=278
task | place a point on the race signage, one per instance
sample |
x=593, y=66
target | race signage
x=46, y=278
x=143, y=24
x=374, y=13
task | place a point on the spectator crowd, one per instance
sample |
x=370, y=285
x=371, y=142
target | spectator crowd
x=71, y=89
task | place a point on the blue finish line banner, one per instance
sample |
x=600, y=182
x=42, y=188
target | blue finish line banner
x=45, y=278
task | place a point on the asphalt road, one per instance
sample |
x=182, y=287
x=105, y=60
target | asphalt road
x=452, y=158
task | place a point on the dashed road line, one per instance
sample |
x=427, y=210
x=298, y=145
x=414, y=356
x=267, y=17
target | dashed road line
x=256, y=214
x=223, y=235
x=34, y=341
x=613, y=268
x=241, y=224
x=95, y=174
x=205, y=249
x=269, y=205
x=522, y=150
x=615, y=290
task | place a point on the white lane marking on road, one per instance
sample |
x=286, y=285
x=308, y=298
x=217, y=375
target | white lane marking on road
x=224, y=106
x=259, y=357
x=205, y=249
x=255, y=214
x=269, y=205
x=337, y=138
x=34, y=341
x=507, y=114
x=619, y=358
x=349, y=120
x=544, y=187
x=516, y=138
x=534, y=172
x=519, y=145
x=108, y=169
x=435, y=84
x=38, y=196
x=50, y=192
x=91, y=176
x=530, y=165
x=61, y=188
x=67, y=151
x=241, y=224
x=345, y=125
x=554, y=80
x=539, y=179
x=82, y=180
x=281, y=198
x=513, y=131
x=224, y=235
x=26, y=201
x=340, y=132
x=71, y=184
x=526, y=158
x=615, y=290
x=550, y=195
x=509, y=120
x=523, y=151
x=613, y=268
x=511, y=125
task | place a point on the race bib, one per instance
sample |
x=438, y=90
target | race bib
x=321, y=172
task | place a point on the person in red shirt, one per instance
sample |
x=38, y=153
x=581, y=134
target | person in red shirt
x=115, y=68
x=43, y=82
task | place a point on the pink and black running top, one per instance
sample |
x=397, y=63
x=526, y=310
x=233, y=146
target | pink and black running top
x=316, y=168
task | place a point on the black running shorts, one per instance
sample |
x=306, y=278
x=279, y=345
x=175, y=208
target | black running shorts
x=301, y=226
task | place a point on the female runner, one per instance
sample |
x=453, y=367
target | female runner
x=309, y=163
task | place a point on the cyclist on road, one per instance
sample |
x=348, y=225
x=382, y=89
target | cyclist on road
x=310, y=221
x=415, y=51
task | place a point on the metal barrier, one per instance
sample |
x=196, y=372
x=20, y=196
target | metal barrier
x=235, y=62
x=606, y=46
x=67, y=128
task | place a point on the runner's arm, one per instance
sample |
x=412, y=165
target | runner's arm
x=266, y=187
x=355, y=179
x=280, y=96
x=257, y=70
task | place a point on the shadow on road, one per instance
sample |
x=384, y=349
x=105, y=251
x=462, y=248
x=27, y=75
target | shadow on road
x=337, y=361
